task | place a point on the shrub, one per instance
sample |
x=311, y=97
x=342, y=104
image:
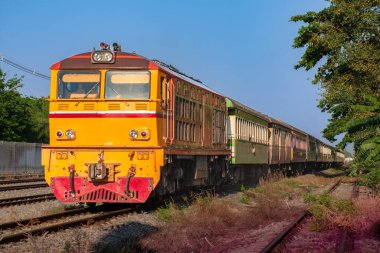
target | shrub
x=371, y=179
x=245, y=199
x=165, y=213
x=292, y=183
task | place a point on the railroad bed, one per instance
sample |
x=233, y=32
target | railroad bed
x=22, y=229
x=282, y=241
x=117, y=230
x=299, y=235
x=77, y=217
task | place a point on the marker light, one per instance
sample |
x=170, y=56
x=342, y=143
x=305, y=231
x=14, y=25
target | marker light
x=143, y=134
x=59, y=134
x=104, y=46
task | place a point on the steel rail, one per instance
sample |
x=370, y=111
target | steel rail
x=40, y=219
x=16, y=181
x=26, y=199
x=57, y=226
x=21, y=187
x=21, y=176
x=334, y=186
x=346, y=242
x=281, y=237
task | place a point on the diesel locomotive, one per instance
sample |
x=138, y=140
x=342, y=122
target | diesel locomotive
x=123, y=127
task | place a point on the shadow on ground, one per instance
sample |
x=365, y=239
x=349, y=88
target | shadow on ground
x=124, y=238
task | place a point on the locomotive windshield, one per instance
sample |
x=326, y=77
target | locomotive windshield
x=127, y=84
x=78, y=85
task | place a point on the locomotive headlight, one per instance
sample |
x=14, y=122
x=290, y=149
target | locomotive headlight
x=133, y=134
x=102, y=57
x=70, y=134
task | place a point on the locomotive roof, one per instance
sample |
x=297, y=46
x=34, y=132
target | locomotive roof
x=125, y=60
x=122, y=61
x=170, y=70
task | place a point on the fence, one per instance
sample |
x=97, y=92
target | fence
x=20, y=157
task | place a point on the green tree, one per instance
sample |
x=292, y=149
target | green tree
x=343, y=42
x=21, y=118
x=13, y=114
x=38, y=109
x=364, y=130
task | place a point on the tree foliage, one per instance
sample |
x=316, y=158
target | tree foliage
x=343, y=42
x=364, y=130
x=21, y=118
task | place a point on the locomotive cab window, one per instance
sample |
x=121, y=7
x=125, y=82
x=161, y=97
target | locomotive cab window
x=78, y=85
x=127, y=84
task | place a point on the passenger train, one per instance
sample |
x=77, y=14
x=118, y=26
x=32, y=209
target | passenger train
x=124, y=128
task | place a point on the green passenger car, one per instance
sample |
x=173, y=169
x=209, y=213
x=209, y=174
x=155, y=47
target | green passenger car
x=247, y=134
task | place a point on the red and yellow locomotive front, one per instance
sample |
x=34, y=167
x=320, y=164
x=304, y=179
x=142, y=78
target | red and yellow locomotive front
x=106, y=128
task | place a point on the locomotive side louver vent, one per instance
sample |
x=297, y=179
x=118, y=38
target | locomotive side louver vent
x=89, y=107
x=113, y=106
x=63, y=107
x=141, y=106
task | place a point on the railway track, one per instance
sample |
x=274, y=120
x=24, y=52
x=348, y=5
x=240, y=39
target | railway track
x=7, y=177
x=346, y=243
x=22, y=229
x=16, y=181
x=26, y=200
x=19, y=230
x=22, y=187
x=281, y=237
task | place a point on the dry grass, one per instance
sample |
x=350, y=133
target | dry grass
x=289, y=188
x=78, y=243
x=367, y=219
x=312, y=180
x=333, y=171
x=360, y=215
x=195, y=227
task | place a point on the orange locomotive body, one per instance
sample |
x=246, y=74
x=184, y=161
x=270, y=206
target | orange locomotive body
x=122, y=126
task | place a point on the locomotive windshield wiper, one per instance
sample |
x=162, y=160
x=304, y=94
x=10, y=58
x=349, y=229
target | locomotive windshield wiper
x=117, y=93
x=88, y=93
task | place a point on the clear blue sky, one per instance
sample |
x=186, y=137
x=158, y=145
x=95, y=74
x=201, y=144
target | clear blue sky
x=242, y=49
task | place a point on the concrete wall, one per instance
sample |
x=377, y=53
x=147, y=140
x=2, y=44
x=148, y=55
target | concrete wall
x=20, y=157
